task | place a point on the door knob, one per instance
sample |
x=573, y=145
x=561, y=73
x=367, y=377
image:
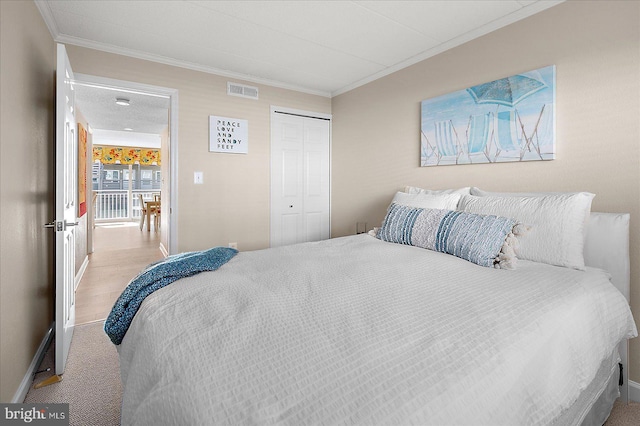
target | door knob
x=59, y=225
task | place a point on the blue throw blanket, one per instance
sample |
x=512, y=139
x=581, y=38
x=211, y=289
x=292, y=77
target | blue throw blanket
x=156, y=276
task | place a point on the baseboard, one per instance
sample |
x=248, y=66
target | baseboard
x=164, y=251
x=634, y=391
x=80, y=273
x=27, y=380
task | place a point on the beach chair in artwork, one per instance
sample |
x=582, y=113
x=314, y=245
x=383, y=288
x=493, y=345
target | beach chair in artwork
x=509, y=134
x=427, y=150
x=542, y=133
x=479, y=135
x=447, y=141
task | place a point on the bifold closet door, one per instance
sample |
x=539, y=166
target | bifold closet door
x=300, y=181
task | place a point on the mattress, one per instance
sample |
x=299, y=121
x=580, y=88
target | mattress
x=354, y=330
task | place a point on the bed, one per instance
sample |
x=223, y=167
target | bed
x=358, y=330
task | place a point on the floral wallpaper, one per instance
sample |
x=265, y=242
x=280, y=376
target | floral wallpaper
x=126, y=155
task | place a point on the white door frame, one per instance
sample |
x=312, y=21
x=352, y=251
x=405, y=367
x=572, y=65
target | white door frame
x=309, y=114
x=172, y=94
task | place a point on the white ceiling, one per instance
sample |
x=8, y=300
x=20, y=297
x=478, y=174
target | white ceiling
x=320, y=47
x=138, y=124
x=145, y=113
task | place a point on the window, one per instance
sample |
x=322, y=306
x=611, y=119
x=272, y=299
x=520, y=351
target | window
x=112, y=174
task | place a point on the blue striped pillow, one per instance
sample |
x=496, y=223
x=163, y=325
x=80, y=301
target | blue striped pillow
x=486, y=240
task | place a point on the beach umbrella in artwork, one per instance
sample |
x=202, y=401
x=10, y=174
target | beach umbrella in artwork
x=507, y=91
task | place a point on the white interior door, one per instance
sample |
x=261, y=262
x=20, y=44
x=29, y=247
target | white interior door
x=66, y=185
x=300, y=179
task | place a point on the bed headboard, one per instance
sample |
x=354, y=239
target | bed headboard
x=606, y=247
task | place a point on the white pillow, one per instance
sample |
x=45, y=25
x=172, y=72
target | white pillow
x=557, y=224
x=427, y=201
x=416, y=190
x=480, y=193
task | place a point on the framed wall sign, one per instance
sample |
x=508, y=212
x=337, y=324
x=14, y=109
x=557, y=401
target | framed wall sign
x=229, y=135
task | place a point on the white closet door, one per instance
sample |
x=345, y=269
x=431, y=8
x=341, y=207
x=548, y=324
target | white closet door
x=316, y=179
x=286, y=180
x=300, y=181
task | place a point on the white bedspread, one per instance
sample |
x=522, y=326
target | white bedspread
x=359, y=331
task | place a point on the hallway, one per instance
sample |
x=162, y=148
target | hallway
x=121, y=251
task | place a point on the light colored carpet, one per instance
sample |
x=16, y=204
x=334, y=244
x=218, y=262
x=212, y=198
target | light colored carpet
x=624, y=415
x=91, y=383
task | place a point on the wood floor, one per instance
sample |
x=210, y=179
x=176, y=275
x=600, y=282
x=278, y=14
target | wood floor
x=120, y=252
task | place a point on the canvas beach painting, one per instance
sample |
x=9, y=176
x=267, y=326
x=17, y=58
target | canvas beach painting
x=508, y=119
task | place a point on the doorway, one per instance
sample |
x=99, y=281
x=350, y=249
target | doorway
x=118, y=244
x=114, y=90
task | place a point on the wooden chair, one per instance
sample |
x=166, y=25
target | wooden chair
x=156, y=219
x=156, y=212
x=143, y=211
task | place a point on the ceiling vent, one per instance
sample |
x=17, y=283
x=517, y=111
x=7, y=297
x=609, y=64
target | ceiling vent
x=236, y=89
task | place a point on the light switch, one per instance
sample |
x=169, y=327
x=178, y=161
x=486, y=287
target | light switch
x=198, y=178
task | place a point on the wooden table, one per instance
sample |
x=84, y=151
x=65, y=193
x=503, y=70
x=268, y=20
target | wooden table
x=149, y=206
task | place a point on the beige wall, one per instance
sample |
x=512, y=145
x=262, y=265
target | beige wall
x=595, y=46
x=27, y=55
x=233, y=203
